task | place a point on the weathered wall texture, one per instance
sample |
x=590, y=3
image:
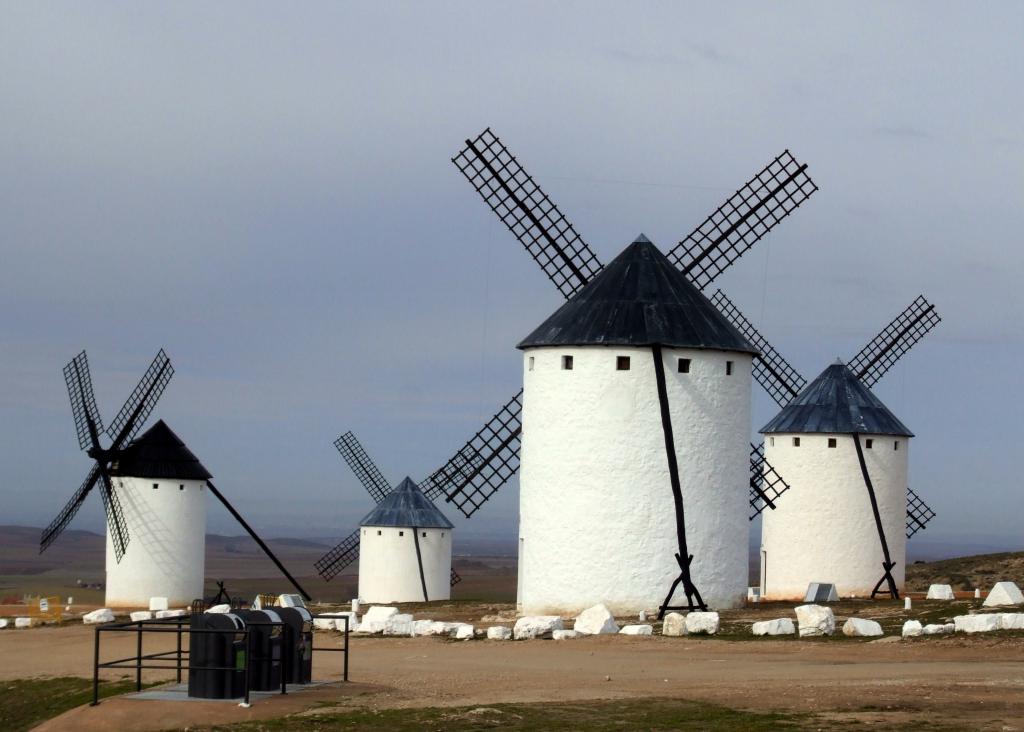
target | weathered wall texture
x=823, y=529
x=167, y=549
x=597, y=522
x=389, y=572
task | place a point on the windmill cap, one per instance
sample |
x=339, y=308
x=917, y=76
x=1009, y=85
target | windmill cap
x=639, y=299
x=836, y=402
x=159, y=453
x=406, y=507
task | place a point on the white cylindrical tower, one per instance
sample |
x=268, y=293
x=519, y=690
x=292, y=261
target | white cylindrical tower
x=162, y=490
x=597, y=516
x=823, y=528
x=405, y=549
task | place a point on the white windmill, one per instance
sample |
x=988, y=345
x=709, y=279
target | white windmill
x=843, y=454
x=153, y=484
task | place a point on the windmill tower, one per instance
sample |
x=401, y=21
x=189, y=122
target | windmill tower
x=840, y=456
x=636, y=401
x=405, y=549
x=153, y=484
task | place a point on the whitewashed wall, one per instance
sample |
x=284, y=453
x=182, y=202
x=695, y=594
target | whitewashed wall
x=389, y=572
x=823, y=529
x=597, y=521
x=167, y=548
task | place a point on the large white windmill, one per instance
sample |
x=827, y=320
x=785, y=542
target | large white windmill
x=840, y=456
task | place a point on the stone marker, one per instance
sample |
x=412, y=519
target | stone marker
x=376, y=618
x=222, y=609
x=595, y=621
x=290, y=601
x=977, y=623
x=324, y=624
x=103, y=615
x=938, y=629
x=821, y=592
x=674, y=625
x=564, y=634
x=782, y=626
x=398, y=624
x=1011, y=621
x=355, y=605
x=861, y=627
x=141, y=615
x=160, y=614
x=940, y=592
x=753, y=594
x=907, y=604
x=464, y=632
x=815, y=620
x=499, y=632
x=977, y=593
x=698, y=623
x=536, y=626
x=912, y=629
x=157, y=603
x=637, y=630
x=3, y=623
x=23, y=623
x=1004, y=593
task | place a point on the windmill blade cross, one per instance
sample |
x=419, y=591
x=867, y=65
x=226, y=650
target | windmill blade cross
x=528, y=212
x=484, y=463
x=766, y=485
x=141, y=401
x=83, y=401
x=773, y=372
x=896, y=339
x=343, y=554
x=739, y=223
x=365, y=469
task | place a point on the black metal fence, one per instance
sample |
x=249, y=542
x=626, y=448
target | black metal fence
x=178, y=659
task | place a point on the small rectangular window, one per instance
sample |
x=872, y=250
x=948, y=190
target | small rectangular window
x=567, y=363
x=896, y=445
x=868, y=443
x=155, y=486
x=684, y=365
x=424, y=534
x=728, y=368
x=401, y=533
x=531, y=363
x=796, y=442
x=771, y=441
x=181, y=486
x=378, y=532
x=622, y=363
x=831, y=441
x=364, y=532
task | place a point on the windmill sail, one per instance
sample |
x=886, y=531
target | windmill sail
x=898, y=337
x=142, y=401
x=528, y=212
x=83, y=401
x=739, y=223
x=918, y=513
x=339, y=557
x=766, y=485
x=116, y=524
x=365, y=469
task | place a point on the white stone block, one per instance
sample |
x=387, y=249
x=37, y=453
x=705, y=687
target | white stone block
x=3, y=623
x=103, y=615
x=940, y=592
x=157, y=603
x=170, y=614
x=938, y=629
x=221, y=609
x=637, y=630
x=464, y=632
x=595, y=621
x=1011, y=621
x=1004, y=593
x=564, y=634
x=290, y=601
x=339, y=620
x=698, y=623
x=536, y=626
x=813, y=620
x=781, y=626
x=977, y=623
x=821, y=592
x=324, y=624
x=499, y=632
x=141, y=615
x=861, y=627
x=912, y=629
x=674, y=625
x=376, y=618
x=398, y=624
x=23, y=622
x=753, y=594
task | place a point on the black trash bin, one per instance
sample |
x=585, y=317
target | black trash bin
x=216, y=661
x=298, y=644
x=265, y=642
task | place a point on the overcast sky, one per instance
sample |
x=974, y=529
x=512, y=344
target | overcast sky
x=266, y=192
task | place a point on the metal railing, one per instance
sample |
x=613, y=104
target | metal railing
x=179, y=658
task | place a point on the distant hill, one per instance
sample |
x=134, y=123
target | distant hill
x=967, y=573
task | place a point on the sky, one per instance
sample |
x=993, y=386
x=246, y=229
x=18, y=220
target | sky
x=266, y=192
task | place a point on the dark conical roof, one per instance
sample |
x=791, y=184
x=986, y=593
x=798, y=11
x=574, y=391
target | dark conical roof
x=159, y=453
x=836, y=402
x=406, y=506
x=638, y=299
